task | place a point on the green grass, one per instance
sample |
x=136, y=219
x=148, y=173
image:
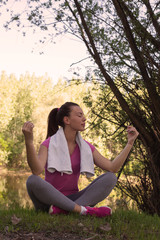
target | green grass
x=122, y=224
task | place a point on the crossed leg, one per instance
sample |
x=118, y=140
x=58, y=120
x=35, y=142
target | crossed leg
x=43, y=194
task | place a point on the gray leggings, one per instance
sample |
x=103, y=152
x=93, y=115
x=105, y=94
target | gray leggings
x=43, y=194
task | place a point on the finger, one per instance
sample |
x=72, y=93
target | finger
x=27, y=126
x=29, y=123
x=130, y=129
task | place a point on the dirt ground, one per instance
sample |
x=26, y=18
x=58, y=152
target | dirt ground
x=53, y=236
x=40, y=236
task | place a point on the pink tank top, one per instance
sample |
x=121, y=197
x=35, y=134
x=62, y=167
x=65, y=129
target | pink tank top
x=66, y=183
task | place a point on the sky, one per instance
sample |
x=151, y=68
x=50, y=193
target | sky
x=16, y=55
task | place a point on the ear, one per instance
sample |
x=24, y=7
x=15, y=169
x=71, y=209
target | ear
x=66, y=120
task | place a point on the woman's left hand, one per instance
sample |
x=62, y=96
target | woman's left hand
x=132, y=134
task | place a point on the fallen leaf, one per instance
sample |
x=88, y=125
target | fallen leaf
x=80, y=225
x=106, y=227
x=85, y=229
x=92, y=237
x=15, y=220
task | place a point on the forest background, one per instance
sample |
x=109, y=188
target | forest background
x=31, y=98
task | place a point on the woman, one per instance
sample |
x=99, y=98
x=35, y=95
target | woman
x=64, y=155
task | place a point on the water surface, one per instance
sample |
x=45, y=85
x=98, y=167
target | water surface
x=13, y=189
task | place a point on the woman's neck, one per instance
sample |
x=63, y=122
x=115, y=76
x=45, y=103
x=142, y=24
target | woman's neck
x=70, y=135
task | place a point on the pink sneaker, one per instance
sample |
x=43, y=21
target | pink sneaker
x=99, y=211
x=56, y=210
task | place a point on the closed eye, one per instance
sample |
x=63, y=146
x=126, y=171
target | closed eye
x=80, y=114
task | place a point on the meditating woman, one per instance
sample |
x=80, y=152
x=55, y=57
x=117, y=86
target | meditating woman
x=65, y=155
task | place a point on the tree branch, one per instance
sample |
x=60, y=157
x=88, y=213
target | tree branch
x=155, y=98
x=153, y=17
x=110, y=82
x=141, y=28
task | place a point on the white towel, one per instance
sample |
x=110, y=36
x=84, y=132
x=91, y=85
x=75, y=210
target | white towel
x=59, y=157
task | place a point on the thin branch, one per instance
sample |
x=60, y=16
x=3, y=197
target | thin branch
x=79, y=61
x=153, y=17
x=141, y=27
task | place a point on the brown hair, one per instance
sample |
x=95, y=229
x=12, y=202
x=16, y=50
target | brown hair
x=56, y=116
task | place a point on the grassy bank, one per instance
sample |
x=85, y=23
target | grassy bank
x=122, y=225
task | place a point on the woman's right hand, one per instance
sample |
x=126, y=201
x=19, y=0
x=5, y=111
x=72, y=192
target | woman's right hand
x=27, y=130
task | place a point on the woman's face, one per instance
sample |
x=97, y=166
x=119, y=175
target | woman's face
x=76, y=119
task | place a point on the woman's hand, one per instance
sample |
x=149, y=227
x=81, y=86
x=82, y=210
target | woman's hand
x=116, y=164
x=35, y=161
x=27, y=130
x=132, y=134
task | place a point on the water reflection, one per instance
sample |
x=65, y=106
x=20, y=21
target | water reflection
x=13, y=192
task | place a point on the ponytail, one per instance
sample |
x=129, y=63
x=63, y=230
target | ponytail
x=52, y=123
x=56, y=117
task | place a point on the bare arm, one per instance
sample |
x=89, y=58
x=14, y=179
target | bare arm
x=115, y=165
x=35, y=161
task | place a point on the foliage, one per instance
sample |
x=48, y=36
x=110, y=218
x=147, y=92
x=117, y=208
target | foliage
x=30, y=98
x=13, y=134
x=17, y=106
